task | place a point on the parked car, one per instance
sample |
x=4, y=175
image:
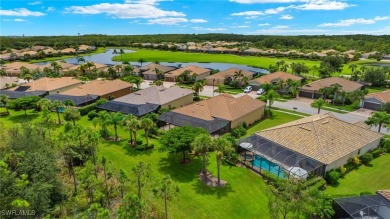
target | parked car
x=248, y=89
x=260, y=91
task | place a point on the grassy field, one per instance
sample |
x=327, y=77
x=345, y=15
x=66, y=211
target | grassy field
x=48, y=59
x=244, y=197
x=366, y=179
x=261, y=62
x=375, y=89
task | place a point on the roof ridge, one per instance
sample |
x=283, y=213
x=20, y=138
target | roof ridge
x=319, y=141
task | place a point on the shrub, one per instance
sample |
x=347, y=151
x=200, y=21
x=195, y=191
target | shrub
x=92, y=114
x=355, y=161
x=356, y=105
x=377, y=152
x=332, y=177
x=367, y=158
x=342, y=170
x=238, y=131
x=245, y=125
x=386, y=145
x=144, y=147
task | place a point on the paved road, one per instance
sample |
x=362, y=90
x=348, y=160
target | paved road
x=302, y=105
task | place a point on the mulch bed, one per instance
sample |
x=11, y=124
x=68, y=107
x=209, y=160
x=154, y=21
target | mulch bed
x=210, y=180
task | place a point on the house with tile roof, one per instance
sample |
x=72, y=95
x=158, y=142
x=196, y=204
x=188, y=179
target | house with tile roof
x=317, y=143
x=50, y=85
x=218, y=114
x=201, y=73
x=375, y=101
x=150, y=99
x=149, y=71
x=311, y=90
x=227, y=75
x=13, y=68
x=108, y=89
x=273, y=78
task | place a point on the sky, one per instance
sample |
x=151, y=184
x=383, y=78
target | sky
x=130, y=17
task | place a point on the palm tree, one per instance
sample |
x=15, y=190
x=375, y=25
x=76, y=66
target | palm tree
x=147, y=124
x=202, y=144
x=57, y=105
x=128, y=69
x=138, y=81
x=132, y=124
x=159, y=73
x=41, y=54
x=56, y=67
x=4, y=99
x=89, y=65
x=141, y=60
x=27, y=77
x=115, y=118
x=267, y=87
x=271, y=96
x=68, y=103
x=319, y=103
x=111, y=72
x=294, y=86
x=81, y=59
x=221, y=88
x=221, y=146
x=244, y=80
x=353, y=67
x=159, y=83
x=198, y=87
x=379, y=119
x=118, y=68
x=238, y=74
x=335, y=89
x=359, y=95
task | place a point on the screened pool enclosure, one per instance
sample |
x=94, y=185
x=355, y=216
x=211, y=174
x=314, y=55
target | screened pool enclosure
x=261, y=154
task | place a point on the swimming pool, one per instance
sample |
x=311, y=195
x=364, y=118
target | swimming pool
x=267, y=165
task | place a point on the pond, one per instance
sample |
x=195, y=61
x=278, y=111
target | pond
x=106, y=58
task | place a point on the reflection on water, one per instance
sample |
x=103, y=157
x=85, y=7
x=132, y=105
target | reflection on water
x=106, y=58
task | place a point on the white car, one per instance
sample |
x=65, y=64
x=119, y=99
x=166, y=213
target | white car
x=260, y=91
x=248, y=89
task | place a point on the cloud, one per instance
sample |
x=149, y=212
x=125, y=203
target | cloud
x=286, y=31
x=276, y=10
x=323, y=5
x=350, y=22
x=209, y=29
x=19, y=20
x=50, y=9
x=248, y=13
x=241, y=26
x=264, y=1
x=286, y=17
x=265, y=24
x=198, y=21
x=35, y=3
x=145, y=2
x=280, y=27
x=255, y=14
x=168, y=21
x=21, y=12
x=125, y=10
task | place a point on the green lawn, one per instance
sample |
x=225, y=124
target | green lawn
x=261, y=62
x=244, y=197
x=365, y=179
x=277, y=118
x=291, y=111
x=375, y=89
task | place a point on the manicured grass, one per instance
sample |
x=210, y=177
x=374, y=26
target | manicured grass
x=376, y=89
x=261, y=62
x=243, y=197
x=277, y=118
x=291, y=111
x=366, y=179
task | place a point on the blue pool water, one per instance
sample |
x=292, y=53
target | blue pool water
x=267, y=165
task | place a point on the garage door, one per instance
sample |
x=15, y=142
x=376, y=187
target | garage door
x=372, y=106
x=305, y=94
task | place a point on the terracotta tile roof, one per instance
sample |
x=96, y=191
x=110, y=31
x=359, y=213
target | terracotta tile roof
x=68, y=50
x=224, y=106
x=157, y=95
x=384, y=193
x=382, y=96
x=64, y=65
x=321, y=137
x=98, y=87
x=347, y=85
x=230, y=72
x=274, y=77
x=362, y=124
x=50, y=84
x=149, y=69
x=192, y=68
x=14, y=67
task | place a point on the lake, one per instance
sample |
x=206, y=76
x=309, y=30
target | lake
x=106, y=58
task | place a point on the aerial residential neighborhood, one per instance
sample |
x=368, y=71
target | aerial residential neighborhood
x=152, y=109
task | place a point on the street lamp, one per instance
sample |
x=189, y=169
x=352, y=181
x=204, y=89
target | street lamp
x=213, y=86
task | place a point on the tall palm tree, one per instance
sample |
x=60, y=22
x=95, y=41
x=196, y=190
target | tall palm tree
x=81, y=59
x=221, y=146
x=115, y=118
x=203, y=144
x=271, y=96
x=238, y=75
x=56, y=67
x=147, y=124
x=4, y=99
x=267, y=87
x=111, y=72
x=319, y=103
x=128, y=69
x=132, y=124
x=379, y=119
x=198, y=87
x=138, y=81
x=159, y=73
x=89, y=65
x=118, y=69
x=57, y=105
x=335, y=89
x=294, y=86
x=244, y=80
x=141, y=60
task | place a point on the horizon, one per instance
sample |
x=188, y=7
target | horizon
x=152, y=17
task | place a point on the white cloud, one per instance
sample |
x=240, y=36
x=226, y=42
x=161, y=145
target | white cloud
x=209, y=29
x=280, y=27
x=20, y=12
x=198, y=21
x=168, y=21
x=248, y=13
x=255, y=14
x=286, y=17
x=265, y=24
x=19, y=20
x=323, y=5
x=50, y=9
x=350, y=22
x=241, y=26
x=125, y=10
x=275, y=10
x=265, y=1
x=273, y=31
x=35, y=3
x=145, y=2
